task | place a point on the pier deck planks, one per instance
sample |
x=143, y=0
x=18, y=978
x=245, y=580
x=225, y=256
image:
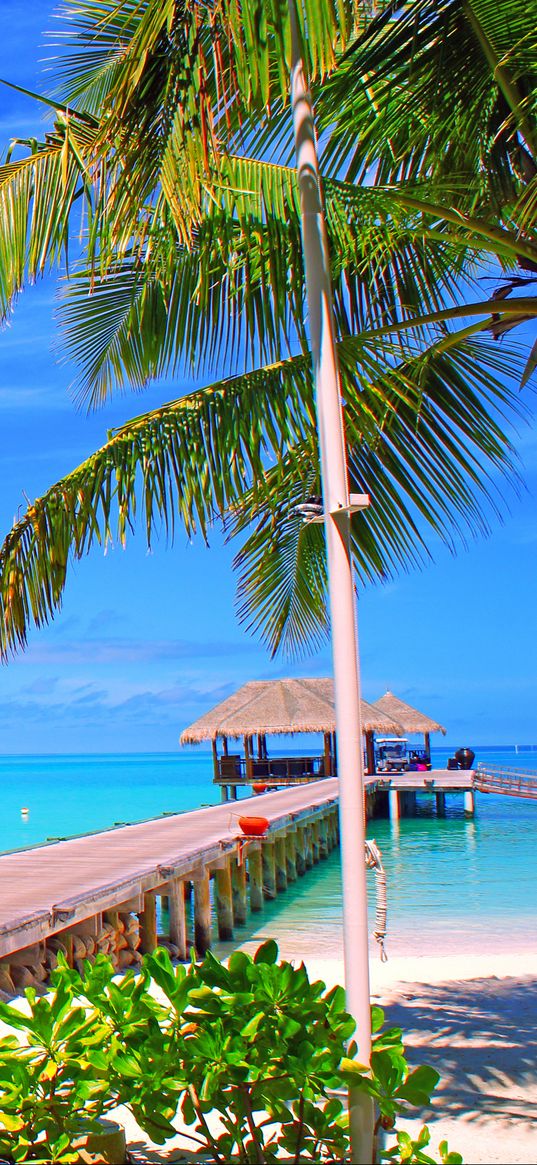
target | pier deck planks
x=50, y=887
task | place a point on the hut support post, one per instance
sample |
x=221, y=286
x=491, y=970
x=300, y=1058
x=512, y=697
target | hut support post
x=215, y=759
x=327, y=755
x=202, y=914
x=370, y=751
x=394, y=804
x=255, y=874
x=469, y=803
x=248, y=756
x=269, y=869
x=224, y=903
x=176, y=899
x=148, y=924
x=427, y=744
x=240, y=903
x=281, y=864
x=334, y=752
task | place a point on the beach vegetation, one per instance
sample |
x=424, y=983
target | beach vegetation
x=251, y=1042
x=163, y=192
x=53, y=1075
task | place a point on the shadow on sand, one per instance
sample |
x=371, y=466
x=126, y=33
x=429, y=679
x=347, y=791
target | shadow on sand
x=481, y=1036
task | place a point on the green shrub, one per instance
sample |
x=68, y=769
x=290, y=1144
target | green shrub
x=252, y=1042
x=52, y=1075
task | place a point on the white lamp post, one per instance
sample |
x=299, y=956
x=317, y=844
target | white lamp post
x=341, y=588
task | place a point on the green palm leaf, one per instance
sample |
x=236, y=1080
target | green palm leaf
x=413, y=432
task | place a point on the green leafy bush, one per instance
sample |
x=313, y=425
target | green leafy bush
x=53, y=1075
x=253, y=1043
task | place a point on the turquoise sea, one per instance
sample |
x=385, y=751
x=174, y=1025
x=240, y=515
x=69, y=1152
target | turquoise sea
x=453, y=884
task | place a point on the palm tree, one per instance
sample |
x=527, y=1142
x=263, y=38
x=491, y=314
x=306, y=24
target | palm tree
x=170, y=139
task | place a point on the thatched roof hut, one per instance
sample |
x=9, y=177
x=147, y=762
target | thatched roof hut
x=274, y=707
x=409, y=717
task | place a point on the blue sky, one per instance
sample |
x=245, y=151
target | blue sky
x=145, y=643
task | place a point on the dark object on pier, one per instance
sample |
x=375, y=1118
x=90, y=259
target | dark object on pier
x=465, y=758
x=452, y=763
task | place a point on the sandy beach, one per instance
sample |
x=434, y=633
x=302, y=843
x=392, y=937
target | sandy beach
x=473, y=1018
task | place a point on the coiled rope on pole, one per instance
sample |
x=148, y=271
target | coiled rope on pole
x=373, y=860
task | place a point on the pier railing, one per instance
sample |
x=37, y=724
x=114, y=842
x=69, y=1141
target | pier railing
x=510, y=782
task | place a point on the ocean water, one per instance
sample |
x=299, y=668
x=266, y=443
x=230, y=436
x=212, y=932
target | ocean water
x=453, y=883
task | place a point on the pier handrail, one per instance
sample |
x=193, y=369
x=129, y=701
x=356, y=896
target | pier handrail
x=506, y=780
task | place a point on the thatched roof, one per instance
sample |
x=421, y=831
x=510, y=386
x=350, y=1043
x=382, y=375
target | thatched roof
x=274, y=707
x=405, y=714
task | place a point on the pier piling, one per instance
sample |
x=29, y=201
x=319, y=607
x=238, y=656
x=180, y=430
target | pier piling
x=269, y=869
x=394, y=805
x=469, y=803
x=224, y=903
x=255, y=874
x=281, y=864
x=148, y=924
x=177, y=917
x=240, y=902
x=202, y=914
x=290, y=856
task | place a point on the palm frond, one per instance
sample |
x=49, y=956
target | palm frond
x=428, y=98
x=424, y=439
x=188, y=461
x=38, y=194
x=420, y=441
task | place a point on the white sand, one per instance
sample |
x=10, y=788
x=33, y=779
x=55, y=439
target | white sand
x=473, y=1018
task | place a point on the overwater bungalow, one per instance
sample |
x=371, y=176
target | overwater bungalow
x=262, y=709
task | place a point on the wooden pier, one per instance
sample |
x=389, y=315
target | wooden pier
x=396, y=793
x=99, y=892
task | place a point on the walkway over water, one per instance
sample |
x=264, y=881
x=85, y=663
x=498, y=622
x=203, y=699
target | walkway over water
x=506, y=781
x=46, y=889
